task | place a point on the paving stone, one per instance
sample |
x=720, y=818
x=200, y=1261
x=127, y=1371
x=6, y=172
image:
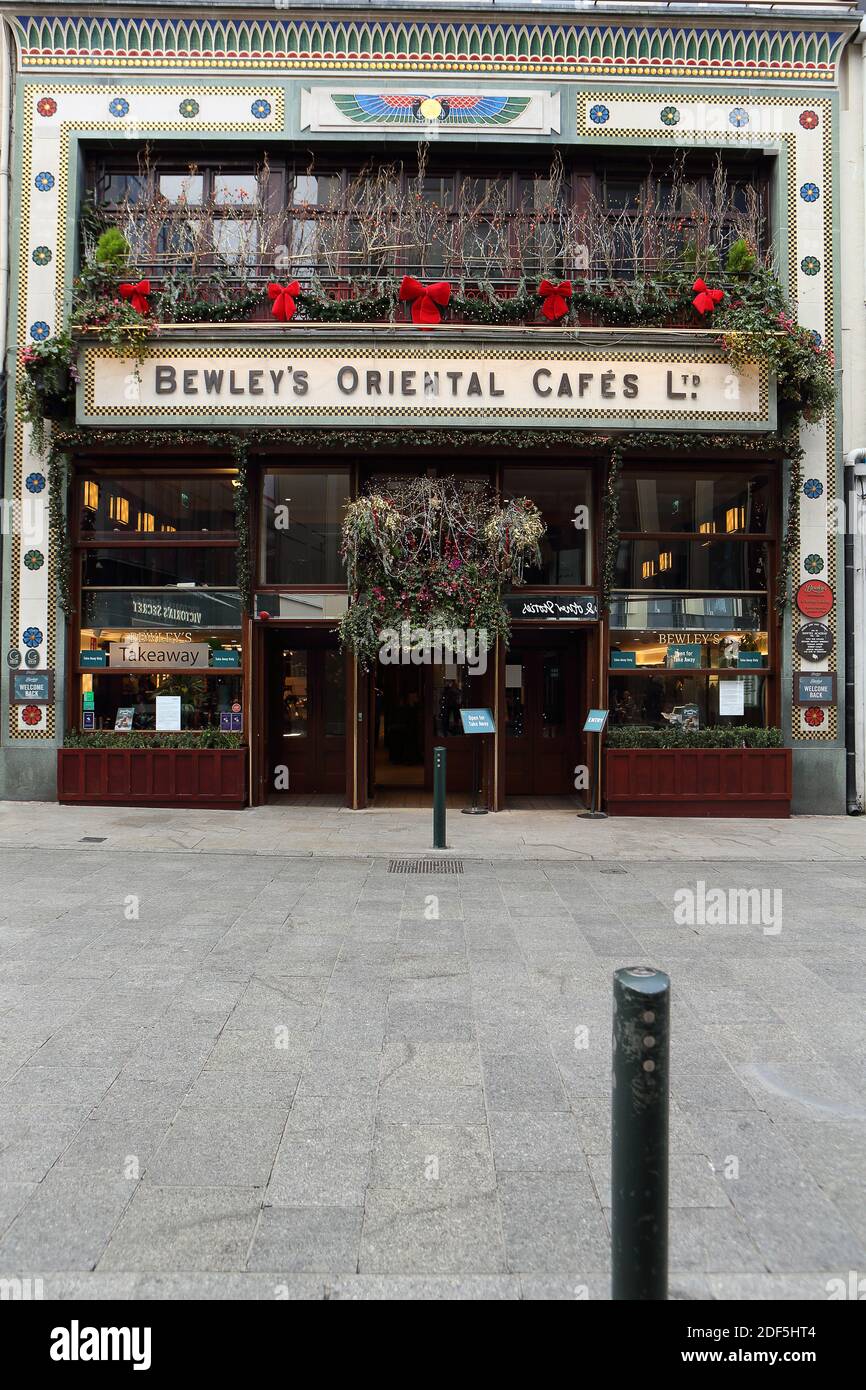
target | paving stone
x=65, y=1224
x=552, y=1221
x=532, y=1142
x=307, y=1239
x=184, y=1229
x=432, y=1164
x=523, y=1081
x=462, y=1237
x=324, y=1167
x=205, y=1148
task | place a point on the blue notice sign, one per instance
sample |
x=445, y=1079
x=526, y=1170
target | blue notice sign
x=619, y=660
x=477, y=721
x=225, y=657
x=684, y=654
x=595, y=721
x=92, y=658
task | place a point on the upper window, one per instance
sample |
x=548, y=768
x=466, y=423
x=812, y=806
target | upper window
x=563, y=496
x=698, y=500
x=114, y=507
x=461, y=217
x=301, y=517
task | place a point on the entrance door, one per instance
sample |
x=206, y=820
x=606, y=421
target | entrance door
x=543, y=716
x=307, y=684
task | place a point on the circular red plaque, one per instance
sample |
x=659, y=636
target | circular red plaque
x=814, y=598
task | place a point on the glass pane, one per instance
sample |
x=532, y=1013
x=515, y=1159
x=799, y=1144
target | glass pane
x=335, y=695
x=708, y=564
x=158, y=566
x=182, y=188
x=301, y=519
x=677, y=699
x=122, y=188
x=160, y=649
x=238, y=190
x=552, y=696
x=515, y=698
x=562, y=495
x=622, y=195
x=190, y=505
x=184, y=610
x=690, y=612
x=452, y=691
x=203, y=699
x=294, y=694
x=731, y=650
x=236, y=239
x=318, y=190
x=679, y=501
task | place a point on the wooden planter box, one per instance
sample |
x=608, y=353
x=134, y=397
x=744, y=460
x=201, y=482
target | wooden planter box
x=207, y=777
x=698, y=781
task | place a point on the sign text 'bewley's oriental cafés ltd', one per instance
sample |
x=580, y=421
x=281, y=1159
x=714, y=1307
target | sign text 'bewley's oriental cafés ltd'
x=455, y=384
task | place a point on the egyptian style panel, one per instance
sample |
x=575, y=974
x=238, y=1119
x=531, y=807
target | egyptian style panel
x=520, y=111
x=568, y=49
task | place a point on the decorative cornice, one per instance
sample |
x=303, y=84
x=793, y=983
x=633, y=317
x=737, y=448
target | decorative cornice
x=567, y=48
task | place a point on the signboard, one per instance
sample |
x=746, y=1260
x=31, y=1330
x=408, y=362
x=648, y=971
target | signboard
x=561, y=608
x=620, y=660
x=123, y=719
x=32, y=687
x=225, y=658
x=231, y=723
x=815, y=688
x=750, y=659
x=477, y=721
x=88, y=719
x=595, y=721
x=31, y=658
x=732, y=698
x=814, y=598
x=161, y=656
x=92, y=659
x=168, y=712
x=684, y=654
x=89, y=699
x=470, y=381
x=814, y=641
x=13, y=658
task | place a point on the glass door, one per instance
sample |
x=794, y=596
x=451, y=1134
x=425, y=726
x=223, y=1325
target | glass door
x=307, y=741
x=542, y=716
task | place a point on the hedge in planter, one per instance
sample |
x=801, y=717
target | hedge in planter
x=628, y=737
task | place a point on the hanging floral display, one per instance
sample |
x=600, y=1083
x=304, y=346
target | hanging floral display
x=433, y=554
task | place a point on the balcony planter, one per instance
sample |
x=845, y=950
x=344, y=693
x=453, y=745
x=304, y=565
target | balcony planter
x=698, y=781
x=204, y=777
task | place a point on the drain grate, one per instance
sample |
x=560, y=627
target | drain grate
x=425, y=866
x=92, y=840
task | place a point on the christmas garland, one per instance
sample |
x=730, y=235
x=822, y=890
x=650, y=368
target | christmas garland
x=611, y=524
x=58, y=525
x=790, y=542
x=243, y=554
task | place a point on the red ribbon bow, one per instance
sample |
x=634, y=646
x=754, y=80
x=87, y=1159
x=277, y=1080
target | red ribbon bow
x=137, y=296
x=555, y=298
x=283, y=306
x=706, y=299
x=426, y=300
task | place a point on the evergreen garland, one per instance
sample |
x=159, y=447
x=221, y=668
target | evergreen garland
x=790, y=541
x=243, y=554
x=58, y=526
x=611, y=525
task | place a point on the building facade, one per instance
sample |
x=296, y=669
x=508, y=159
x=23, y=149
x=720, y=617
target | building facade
x=613, y=205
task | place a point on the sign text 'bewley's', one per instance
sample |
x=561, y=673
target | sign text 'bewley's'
x=440, y=385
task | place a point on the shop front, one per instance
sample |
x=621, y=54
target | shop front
x=210, y=596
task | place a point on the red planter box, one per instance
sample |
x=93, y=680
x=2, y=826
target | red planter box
x=209, y=777
x=698, y=781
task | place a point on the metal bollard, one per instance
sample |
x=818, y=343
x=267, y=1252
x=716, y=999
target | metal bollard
x=639, y=1134
x=439, y=761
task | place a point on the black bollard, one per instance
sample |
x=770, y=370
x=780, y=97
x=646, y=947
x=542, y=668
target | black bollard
x=639, y=1134
x=439, y=761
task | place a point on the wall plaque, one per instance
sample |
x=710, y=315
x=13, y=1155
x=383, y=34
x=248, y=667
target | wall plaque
x=814, y=687
x=814, y=641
